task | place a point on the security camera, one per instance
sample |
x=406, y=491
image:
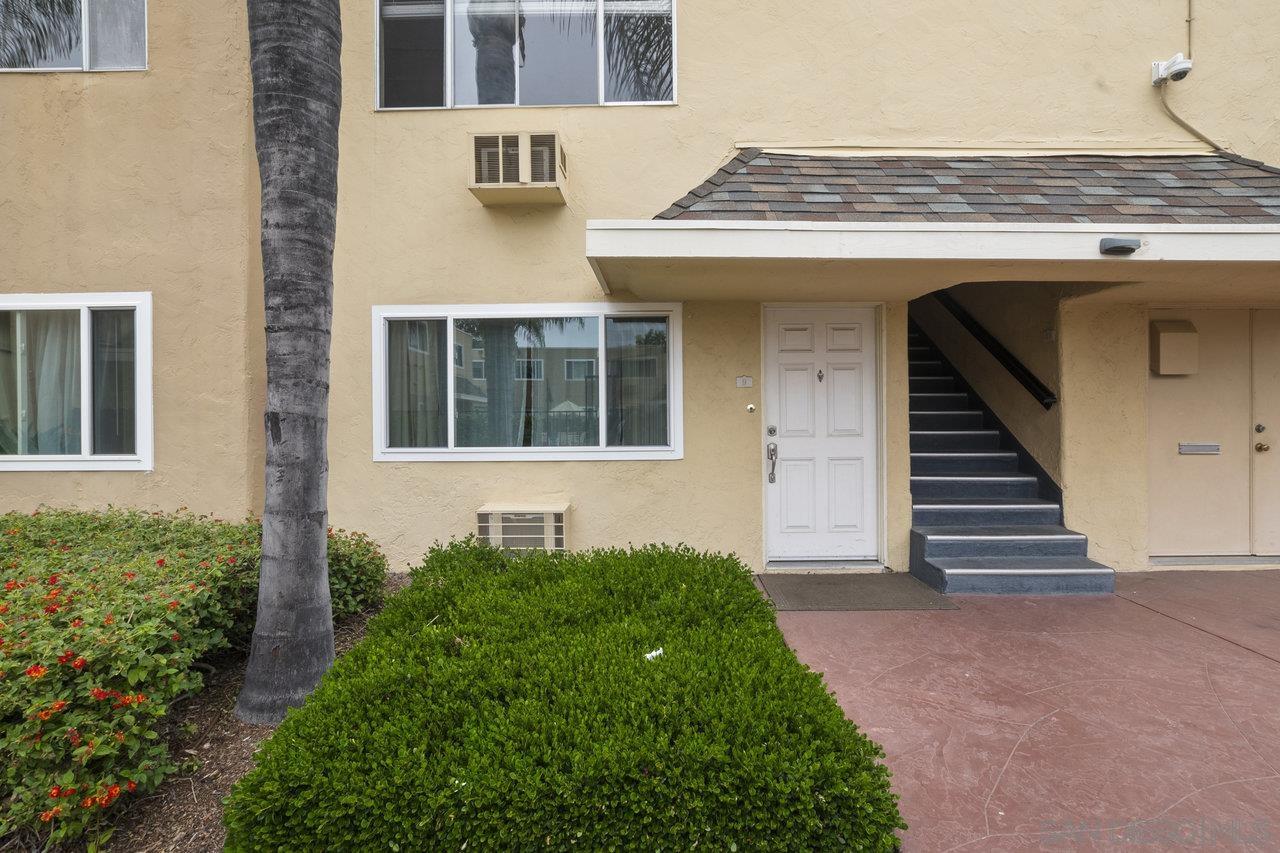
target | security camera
x=1176, y=68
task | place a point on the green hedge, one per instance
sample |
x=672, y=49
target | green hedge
x=506, y=702
x=101, y=618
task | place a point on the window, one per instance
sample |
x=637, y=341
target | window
x=75, y=382
x=529, y=369
x=454, y=53
x=73, y=35
x=579, y=369
x=533, y=390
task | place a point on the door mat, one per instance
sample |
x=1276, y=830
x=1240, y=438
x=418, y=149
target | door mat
x=888, y=591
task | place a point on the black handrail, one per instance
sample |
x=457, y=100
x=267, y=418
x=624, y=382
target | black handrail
x=1043, y=394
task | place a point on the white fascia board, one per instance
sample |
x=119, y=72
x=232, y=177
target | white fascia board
x=979, y=241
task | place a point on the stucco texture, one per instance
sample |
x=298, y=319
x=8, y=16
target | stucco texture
x=147, y=181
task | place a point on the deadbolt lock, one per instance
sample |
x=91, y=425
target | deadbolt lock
x=773, y=430
x=1259, y=428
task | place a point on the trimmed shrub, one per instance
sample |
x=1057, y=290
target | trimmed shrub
x=101, y=620
x=519, y=701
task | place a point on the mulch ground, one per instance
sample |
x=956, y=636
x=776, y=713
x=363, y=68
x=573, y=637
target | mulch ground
x=216, y=749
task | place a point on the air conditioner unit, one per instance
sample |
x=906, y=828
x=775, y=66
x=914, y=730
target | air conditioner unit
x=522, y=527
x=517, y=168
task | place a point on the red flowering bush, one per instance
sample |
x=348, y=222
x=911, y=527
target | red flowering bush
x=102, y=616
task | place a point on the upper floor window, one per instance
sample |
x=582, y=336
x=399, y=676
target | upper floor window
x=73, y=35
x=453, y=53
x=75, y=382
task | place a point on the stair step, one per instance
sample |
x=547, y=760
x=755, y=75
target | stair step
x=944, y=401
x=964, y=461
x=1002, y=540
x=928, y=367
x=954, y=439
x=974, y=486
x=964, y=419
x=925, y=384
x=980, y=524
x=985, y=512
x=1015, y=575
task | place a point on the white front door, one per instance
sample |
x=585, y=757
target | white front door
x=821, y=424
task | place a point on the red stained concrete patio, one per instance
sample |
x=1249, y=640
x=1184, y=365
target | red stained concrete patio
x=1145, y=720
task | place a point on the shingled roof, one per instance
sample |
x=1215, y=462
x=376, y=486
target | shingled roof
x=1217, y=188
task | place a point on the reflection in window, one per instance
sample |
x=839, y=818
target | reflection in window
x=116, y=30
x=526, y=52
x=558, y=52
x=636, y=371
x=61, y=35
x=519, y=403
x=638, y=50
x=484, y=58
x=580, y=370
x=416, y=389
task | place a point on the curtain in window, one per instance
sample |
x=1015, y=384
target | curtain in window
x=636, y=361
x=114, y=382
x=40, y=388
x=416, y=384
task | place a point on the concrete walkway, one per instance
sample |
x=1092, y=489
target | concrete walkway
x=1145, y=720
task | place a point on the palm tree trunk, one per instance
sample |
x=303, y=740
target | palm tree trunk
x=295, y=51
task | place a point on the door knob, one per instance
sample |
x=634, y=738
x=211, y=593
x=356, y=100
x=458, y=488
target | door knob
x=1261, y=447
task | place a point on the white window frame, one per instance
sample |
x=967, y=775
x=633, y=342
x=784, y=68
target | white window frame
x=601, y=310
x=536, y=372
x=591, y=374
x=448, y=69
x=144, y=456
x=85, y=59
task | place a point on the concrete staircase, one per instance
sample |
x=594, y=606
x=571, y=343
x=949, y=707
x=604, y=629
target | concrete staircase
x=985, y=519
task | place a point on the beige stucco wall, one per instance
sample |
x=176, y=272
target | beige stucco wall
x=146, y=181
x=711, y=499
x=1024, y=317
x=1104, y=428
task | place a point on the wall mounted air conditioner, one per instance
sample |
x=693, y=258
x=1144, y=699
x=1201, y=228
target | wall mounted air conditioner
x=523, y=527
x=517, y=168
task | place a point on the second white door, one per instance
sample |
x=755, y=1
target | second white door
x=821, y=434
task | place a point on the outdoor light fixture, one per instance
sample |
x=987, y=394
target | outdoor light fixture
x=1119, y=245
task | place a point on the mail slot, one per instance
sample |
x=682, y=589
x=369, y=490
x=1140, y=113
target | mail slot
x=1188, y=448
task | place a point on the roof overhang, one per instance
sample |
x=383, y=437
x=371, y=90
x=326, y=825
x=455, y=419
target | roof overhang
x=762, y=260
